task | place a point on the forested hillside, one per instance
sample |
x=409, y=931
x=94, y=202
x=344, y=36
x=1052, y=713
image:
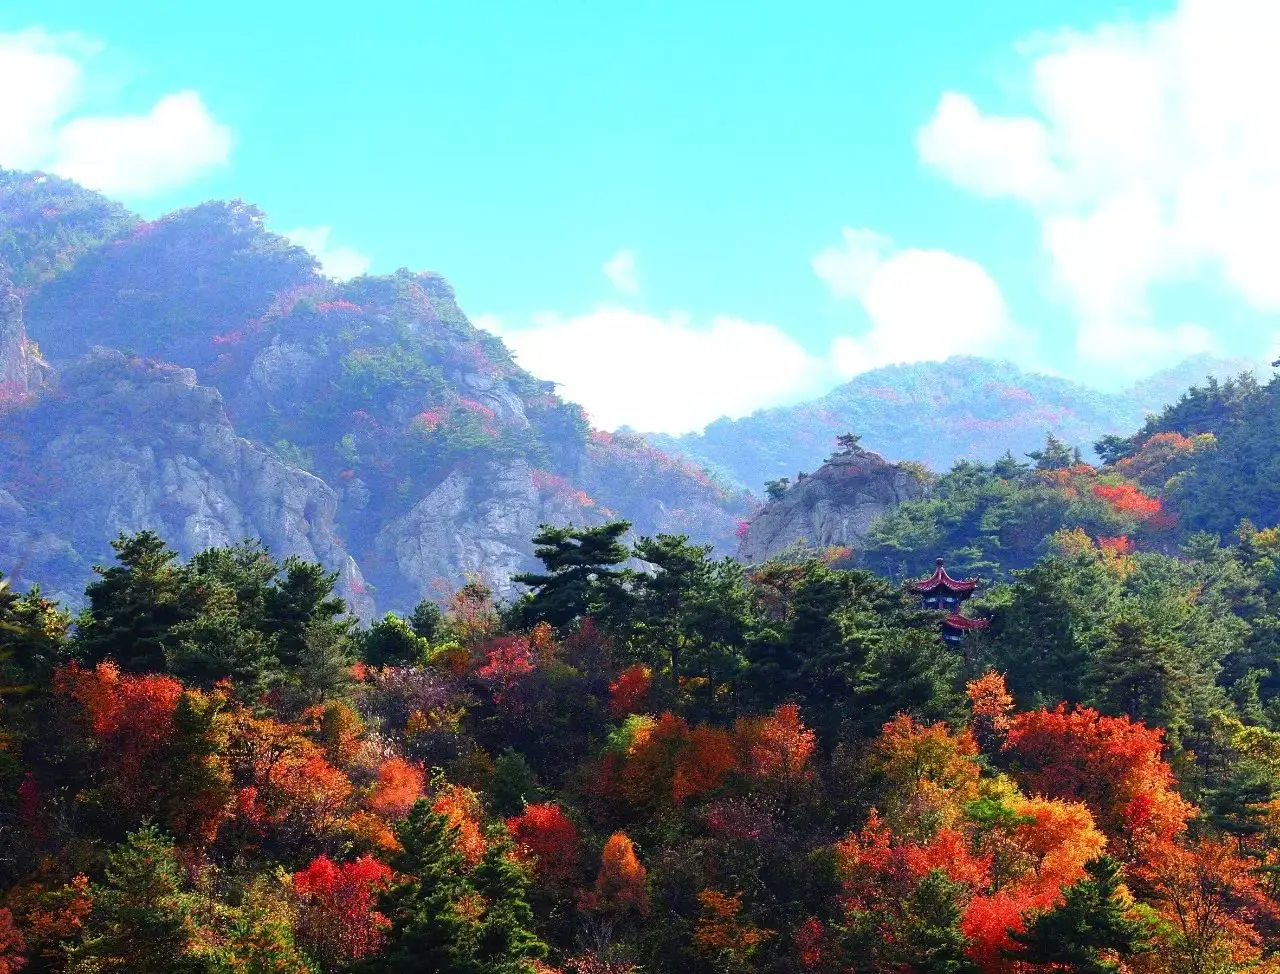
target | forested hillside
x=934, y=413
x=697, y=767
x=212, y=385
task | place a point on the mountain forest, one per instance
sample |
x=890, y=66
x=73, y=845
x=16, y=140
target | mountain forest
x=333, y=641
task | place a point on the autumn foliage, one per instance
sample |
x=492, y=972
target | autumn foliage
x=1112, y=764
x=336, y=915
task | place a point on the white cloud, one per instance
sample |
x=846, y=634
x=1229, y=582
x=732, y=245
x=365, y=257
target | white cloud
x=137, y=155
x=43, y=80
x=1150, y=156
x=622, y=272
x=339, y=262
x=676, y=375
x=923, y=305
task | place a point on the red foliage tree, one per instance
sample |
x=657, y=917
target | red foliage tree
x=130, y=717
x=11, y=944
x=1112, y=764
x=628, y=692
x=777, y=747
x=548, y=838
x=336, y=916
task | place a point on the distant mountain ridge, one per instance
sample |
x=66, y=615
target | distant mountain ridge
x=964, y=408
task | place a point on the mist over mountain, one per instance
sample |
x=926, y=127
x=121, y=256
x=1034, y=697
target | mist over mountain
x=936, y=413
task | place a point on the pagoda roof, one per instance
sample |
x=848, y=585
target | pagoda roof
x=940, y=579
x=956, y=621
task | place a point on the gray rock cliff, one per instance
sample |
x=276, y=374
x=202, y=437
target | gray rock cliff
x=127, y=445
x=22, y=370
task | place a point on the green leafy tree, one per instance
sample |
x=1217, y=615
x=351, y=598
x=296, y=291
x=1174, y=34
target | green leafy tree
x=392, y=641
x=848, y=443
x=1040, y=633
x=666, y=596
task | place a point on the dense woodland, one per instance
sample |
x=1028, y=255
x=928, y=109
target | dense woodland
x=660, y=761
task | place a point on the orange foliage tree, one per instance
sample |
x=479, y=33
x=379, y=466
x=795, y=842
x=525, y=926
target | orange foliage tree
x=1212, y=905
x=620, y=887
x=721, y=931
x=1111, y=764
x=461, y=806
x=928, y=773
x=991, y=704
x=399, y=785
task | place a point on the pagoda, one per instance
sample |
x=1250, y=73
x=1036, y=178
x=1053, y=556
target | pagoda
x=943, y=593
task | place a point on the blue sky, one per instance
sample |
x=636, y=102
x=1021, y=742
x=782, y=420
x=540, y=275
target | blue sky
x=744, y=202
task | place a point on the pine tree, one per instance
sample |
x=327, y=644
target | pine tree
x=135, y=605
x=446, y=920
x=427, y=620
x=931, y=936
x=582, y=577
x=1090, y=931
x=910, y=672
x=142, y=916
x=426, y=925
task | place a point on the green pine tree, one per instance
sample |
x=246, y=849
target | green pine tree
x=135, y=605
x=142, y=919
x=448, y=920
x=1090, y=931
x=582, y=576
x=931, y=935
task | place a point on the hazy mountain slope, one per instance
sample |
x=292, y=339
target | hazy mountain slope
x=934, y=412
x=438, y=456
x=47, y=224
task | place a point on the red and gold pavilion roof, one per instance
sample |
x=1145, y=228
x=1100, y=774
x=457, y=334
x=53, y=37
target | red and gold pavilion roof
x=941, y=580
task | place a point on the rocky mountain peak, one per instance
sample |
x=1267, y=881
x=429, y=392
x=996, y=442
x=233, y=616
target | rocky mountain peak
x=832, y=507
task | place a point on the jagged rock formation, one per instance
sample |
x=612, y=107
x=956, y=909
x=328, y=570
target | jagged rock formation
x=22, y=370
x=130, y=444
x=832, y=507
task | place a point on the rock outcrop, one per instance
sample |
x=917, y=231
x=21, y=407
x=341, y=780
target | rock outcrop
x=129, y=444
x=477, y=524
x=22, y=371
x=832, y=507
